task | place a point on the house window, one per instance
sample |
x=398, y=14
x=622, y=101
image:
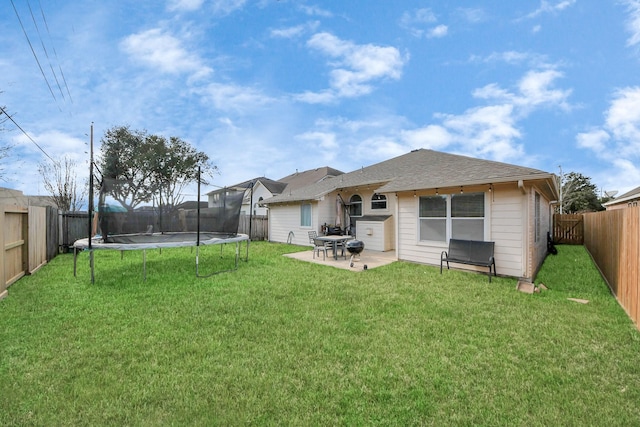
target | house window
x=305, y=215
x=457, y=216
x=433, y=218
x=355, y=205
x=379, y=201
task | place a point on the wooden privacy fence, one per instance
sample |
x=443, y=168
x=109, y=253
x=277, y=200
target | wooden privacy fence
x=23, y=237
x=613, y=240
x=568, y=229
x=259, y=226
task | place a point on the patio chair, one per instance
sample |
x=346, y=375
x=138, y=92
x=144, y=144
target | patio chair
x=320, y=245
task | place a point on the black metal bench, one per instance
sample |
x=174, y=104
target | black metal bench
x=470, y=252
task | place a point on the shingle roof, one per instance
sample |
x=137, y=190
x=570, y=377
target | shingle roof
x=302, y=179
x=624, y=198
x=419, y=169
x=270, y=184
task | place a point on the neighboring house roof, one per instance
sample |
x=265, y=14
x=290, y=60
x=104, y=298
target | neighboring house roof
x=274, y=187
x=624, y=198
x=419, y=169
x=302, y=179
x=192, y=204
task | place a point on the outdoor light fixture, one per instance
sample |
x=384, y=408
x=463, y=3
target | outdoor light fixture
x=437, y=194
x=461, y=190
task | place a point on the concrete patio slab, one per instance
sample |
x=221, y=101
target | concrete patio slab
x=371, y=259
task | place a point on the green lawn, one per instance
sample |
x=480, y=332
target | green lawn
x=283, y=342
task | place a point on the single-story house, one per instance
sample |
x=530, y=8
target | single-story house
x=626, y=200
x=413, y=204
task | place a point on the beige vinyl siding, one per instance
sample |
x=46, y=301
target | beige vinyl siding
x=284, y=219
x=507, y=227
x=539, y=248
x=376, y=235
x=504, y=225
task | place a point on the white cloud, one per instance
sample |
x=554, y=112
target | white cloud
x=228, y=97
x=323, y=140
x=315, y=11
x=486, y=132
x=547, y=7
x=165, y=52
x=431, y=136
x=633, y=23
x=489, y=131
x=355, y=67
x=437, y=32
x=225, y=7
x=513, y=57
x=184, y=5
x=535, y=89
x=295, y=31
x=595, y=140
x=419, y=23
x=418, y=16
x=617, y=142
x=623, y=119
x=473, y=15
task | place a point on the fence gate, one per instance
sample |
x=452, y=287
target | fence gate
x=568, y=229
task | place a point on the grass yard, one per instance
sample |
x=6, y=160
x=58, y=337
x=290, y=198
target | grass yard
x=282, y=342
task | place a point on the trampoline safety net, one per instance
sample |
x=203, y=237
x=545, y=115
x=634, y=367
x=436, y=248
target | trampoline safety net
x=115, y=215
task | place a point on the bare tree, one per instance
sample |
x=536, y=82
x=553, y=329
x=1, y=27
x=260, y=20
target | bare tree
x=61, y=182
x=4, y=147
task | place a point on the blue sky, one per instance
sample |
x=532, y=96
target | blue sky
x=268, y=87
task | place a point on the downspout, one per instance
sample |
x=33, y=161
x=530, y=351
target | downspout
x=525, y=231
x=397, y=228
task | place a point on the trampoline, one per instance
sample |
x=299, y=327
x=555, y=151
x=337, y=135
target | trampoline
x=115, y=226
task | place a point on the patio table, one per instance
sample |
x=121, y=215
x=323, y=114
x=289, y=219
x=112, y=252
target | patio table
x=334, y=240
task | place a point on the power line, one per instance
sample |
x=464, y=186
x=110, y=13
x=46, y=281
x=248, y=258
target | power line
x=35, y=24
x=2, y=110
x=46, y=25
x=34, y=53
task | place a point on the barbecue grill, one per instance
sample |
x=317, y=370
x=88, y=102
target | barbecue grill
x=355, y=248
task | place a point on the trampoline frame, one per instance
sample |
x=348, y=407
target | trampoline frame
x=96, y=243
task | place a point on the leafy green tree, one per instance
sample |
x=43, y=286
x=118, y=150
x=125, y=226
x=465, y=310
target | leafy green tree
x=148, y=166
x=579, y=194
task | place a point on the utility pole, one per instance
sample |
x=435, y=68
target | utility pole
x=561, y=179
x=91, y=201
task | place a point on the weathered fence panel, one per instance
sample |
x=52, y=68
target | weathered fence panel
x=568, y=229
x=53, y=233
x=259, y=226
x=14, y=260
x=613, y=240
x=37, y=238
x=75, y=225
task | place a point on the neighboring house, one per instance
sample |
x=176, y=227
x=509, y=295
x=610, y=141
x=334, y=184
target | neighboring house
x=265, y=188
x=416, y=202
x=302, y=179
x=626, y=200
x=9, y=196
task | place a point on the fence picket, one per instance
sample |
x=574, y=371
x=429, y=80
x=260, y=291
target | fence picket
x=613, y=240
